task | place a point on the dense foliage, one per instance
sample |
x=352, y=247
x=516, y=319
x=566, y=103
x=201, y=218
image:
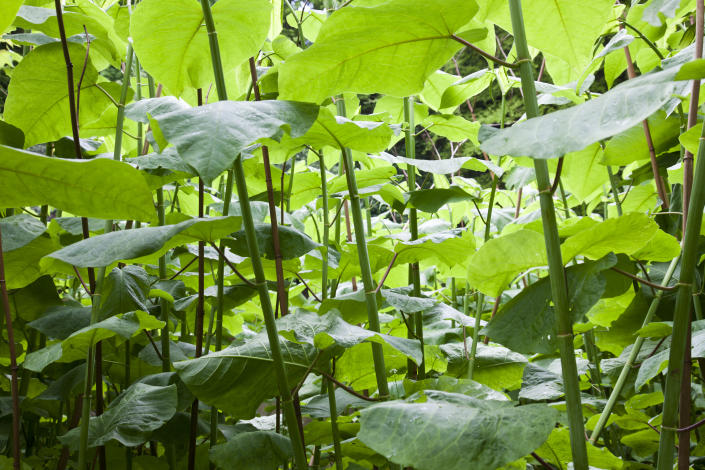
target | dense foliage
x=429, y=234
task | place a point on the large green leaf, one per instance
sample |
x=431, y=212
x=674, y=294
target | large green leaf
x=573, y=129
x=446, y=247
x=130, y=244
x=255, y=450
x=625, y=234
x=76, y=346
x=131, y=418
x=209, y=138
x=431, y=200
x=391, y=48
x=564, y=30
x=501, y=259
x=292, y=243
x=37, y=99
x=238, y=378
x=124, y=290
x=8, y=10
x=455, y=432
x=630, y=146
x=19, y=230
x=526, y=323
x=583, y=174
x=100, y=187
x=329, y=329
x=242, y=26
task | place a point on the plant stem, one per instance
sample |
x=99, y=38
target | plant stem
x=326, y=228
x=334, y=424
x=16, y=413
x=410, y=144
x=559, y=287
x=681, y=316
x=476, y=329
x=253, y=249
x=363, y=256
x=615, y=192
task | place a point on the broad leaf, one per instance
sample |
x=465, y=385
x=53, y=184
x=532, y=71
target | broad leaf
x=100, y=187
x=19, y=230
x=572, y=129
x=242, y=27
x=329, y=329
x=37, y=99
x=255, y=450
x=446, y=247
x=130, y=244
x=209, y=138
x=238, y=378
x=367, y=50
x=625, y=234
x=8, y=10
x=292, y=243
x=435, y=433
x=431, y=200
x=131, y=418
x=124, y=290
x=439, y=167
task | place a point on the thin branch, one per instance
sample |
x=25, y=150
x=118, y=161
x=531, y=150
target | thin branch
x=307, y=287
x=557, y=179
x=184, y=268
x=386, y=273
x=230, y=265
x=643, y=281
x=83, y=72
x=346, y=388
x=486, y=55
x=78, y=275
x=151, y=340
x=308, y=371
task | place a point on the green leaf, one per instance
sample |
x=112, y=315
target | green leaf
x=19, y=230
x=557, y=451
x=100, y=187
x=431, y=200
x=434, y=434
x=327, y=330
x=583, y=174
x=501, y=259
x=238, y=378
x=366, y=50
x=655, y=7
x=22, y=266
x=495, y=366
x=446, y=384
x=124, y=290
x=242, y=27
x=61, y=322
x=34, y=300
x=210, y=137
x=526, y=323
x=466, y=88
x=437, y=167
x=631, y=146
x=76, y=346
x=256, y=450
x=130, y=244
x=131, y=418
x=563, y=30
x=292, y=243
x=573, y=129
x=626, y=234
x=452, y=127
x=37, y=98
x=8, y=10
x=446, y=247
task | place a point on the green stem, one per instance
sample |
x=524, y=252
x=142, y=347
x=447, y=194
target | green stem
x=326, y=229
x=476, y=328
x=334, y=424
x=559, y=287
x=253, y=249
x=681, y=316
x=363, y=256
x=615, y=192
x=410, y=144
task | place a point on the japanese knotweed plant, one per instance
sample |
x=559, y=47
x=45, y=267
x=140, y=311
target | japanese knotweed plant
x=208, y=210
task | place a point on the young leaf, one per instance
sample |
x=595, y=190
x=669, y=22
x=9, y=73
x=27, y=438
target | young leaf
x=100, y=187
x=433, y=434
x=253, y=450
x=366, y=50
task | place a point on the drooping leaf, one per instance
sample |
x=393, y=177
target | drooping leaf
x=130, y=244
x=76, y=345
x=439, y=167
x=8, y=10
x=557, y=451
x=61, y=322
x=19, y=230
x=631, y=146
x=210, y=137
x=22, y=266
x=572, y=129
x=292, y=243
x=626, y=234
x=37, y=98
x=365, y=50
x=446, y=247
x=526, y=323
x=655, y=7
x=329, y=329
x=242, y=27
x=255, y=450
x=238, y=378
x=435, y=433
x=583, y=174
x=430, y=200
x=100, y=187
x=131, y=418
x=124, y=290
